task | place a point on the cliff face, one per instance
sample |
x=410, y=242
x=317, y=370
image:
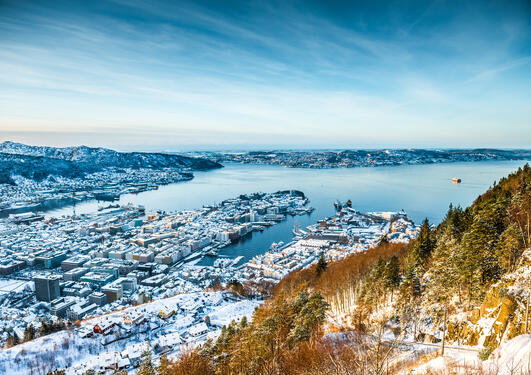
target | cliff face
x=503, y=313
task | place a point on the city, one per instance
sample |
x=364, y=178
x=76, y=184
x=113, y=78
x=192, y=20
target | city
x=81, y=269
x=316, y=187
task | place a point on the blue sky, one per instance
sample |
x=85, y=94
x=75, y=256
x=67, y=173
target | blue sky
x=243, y=75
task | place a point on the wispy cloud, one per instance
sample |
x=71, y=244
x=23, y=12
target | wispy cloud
x=280, y=71
x=494, y=71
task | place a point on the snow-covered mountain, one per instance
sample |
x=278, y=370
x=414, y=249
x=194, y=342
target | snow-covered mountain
x=109, y=158
x=38, y=162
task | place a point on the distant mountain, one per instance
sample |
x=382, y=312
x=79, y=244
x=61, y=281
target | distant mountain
x=368, y=158
x=109, y=158
x=38, y=162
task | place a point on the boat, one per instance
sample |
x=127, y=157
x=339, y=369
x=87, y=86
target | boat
x=26, y=218
x=24, y=205
x=106, y=196
x=298, y=232
x=456, y=180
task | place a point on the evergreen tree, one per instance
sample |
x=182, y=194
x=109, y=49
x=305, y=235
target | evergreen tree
x=164, y=367
x=392, y=273
x=444, y=280
x=424, y=244
x=321, y=265
x=455, y=221
x=410, y=289
x=146, y=366
x=308, y=319
x=509, y=247
x=384, y=240
x=476, y=265
x=29, y=333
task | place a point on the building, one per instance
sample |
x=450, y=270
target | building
x=47, y=287
x=9, y=266
x=75, y=274
x=98, y=298
x=78, y=311
x=74, y=262
x=50, y=259
x=155, y=281
x=75, y=289
x=198, y=329
x=113, y=292
x=104, y=327
x=60, y=307
x=98, y=278
x=134, y=317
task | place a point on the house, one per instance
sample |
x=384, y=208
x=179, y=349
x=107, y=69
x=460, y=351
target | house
x=134, y=317
x=85, y=332
x=107, y=361
x=165, y=313
x=105, y=327
x=198, y=329
x=169, y=341
x=134, y=352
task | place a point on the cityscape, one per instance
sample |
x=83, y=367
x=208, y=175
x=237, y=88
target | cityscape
x=200, y=187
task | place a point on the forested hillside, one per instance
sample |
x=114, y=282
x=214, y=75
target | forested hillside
x=39, y=162
x=472, y=269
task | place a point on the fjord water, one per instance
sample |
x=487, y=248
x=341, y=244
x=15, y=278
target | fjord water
x=421, y=190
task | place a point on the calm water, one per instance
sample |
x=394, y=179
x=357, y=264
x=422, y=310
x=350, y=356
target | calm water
x=422, y=191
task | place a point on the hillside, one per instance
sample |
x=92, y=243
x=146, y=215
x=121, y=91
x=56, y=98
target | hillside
x=39, y=162
x=368, y=157
x=347, y=317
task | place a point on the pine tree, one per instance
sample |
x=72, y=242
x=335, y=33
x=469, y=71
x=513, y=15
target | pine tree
x=308, y=319
x=509, y=247
x=424, y=244
x=29, y=333
x=455, y=221
x=321, y=265
x=475, y=262
x=146, y=366
x=410, y=289
x=443, y=280
x=392, y=273
x=384, y=240
x=164, y=367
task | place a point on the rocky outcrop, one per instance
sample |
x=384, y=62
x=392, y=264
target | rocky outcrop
x=503, y=313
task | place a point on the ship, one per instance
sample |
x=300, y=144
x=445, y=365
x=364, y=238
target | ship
x=297, y=231
x=456, y=180
x=106, y=196
x=26, y=218
x=24, y=206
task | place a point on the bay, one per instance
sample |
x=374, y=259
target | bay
x=423, y=191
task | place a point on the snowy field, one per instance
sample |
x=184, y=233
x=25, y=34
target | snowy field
x=511, y=357
x=168, y=325
x=7, y=286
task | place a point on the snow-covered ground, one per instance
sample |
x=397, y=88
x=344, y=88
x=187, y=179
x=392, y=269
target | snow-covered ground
x=511, y=357
x=168, y=325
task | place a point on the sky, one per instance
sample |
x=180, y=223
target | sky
x=205, y=75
